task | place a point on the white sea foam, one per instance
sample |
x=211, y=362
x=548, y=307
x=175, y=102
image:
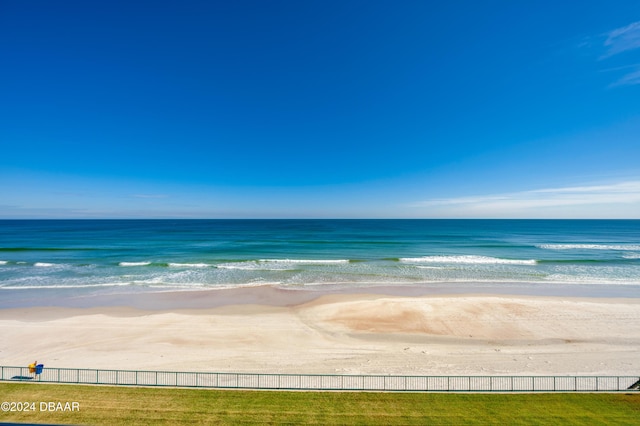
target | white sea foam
x=189, y=265
x=589, y=279
x=200, y=286
x=43, y=264
x=61, y=286
x=184, y=286
x=468, y=260
x=278, y=264
x=255, y=266
x=632, y=256
x=619, y=247
x=134, y=263
x=306, y=261
x=3, y=262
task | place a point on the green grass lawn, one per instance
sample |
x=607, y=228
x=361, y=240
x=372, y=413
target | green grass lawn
x=121, y=405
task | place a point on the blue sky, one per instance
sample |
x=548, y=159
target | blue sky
x=345, y=109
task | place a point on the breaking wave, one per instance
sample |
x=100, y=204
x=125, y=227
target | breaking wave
x=468, y=260
x=618, y=247
x=189, y=265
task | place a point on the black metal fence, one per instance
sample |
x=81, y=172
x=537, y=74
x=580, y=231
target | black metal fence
x=326, y=382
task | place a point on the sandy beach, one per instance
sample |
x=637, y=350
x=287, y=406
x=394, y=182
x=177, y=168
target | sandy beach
x=274, y=331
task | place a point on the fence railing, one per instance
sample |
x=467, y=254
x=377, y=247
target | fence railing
x=326, y=382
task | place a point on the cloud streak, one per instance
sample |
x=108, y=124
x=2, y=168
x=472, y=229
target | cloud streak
x=621, y=40
x=629, y=79
x=620, y=200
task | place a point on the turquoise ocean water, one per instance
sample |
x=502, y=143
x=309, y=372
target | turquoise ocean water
x=85, y=257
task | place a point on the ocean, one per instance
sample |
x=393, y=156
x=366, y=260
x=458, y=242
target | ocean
x=91, y=257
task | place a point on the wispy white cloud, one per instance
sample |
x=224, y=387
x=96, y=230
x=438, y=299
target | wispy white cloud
x=629, y=79
x=620, y=40
x=618, y=188
x=606, y=201
x=623, y=39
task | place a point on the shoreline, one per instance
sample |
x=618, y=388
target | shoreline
x=274, y=295
x=377, y=330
